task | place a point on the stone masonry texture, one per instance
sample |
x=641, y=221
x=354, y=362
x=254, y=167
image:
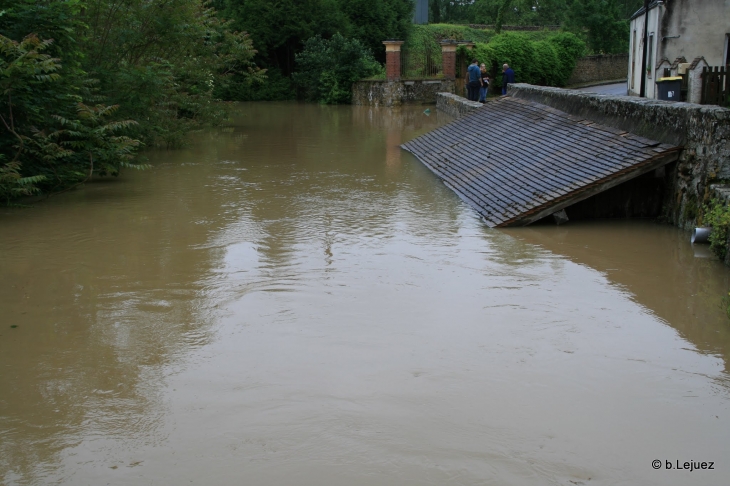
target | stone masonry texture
x=600, y=68
x=396, y=93
x=454, y=105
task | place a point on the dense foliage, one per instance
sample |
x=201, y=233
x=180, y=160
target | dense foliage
x=280, y=30
x=548, y=62
x=427, y=37
x=717, y=216
x=602, y=24
x=326, y=68
x=520, y=12
x=85, y=83
x=450, y=11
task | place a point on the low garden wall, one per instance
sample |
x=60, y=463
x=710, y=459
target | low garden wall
x=396, y=93
x=703, y=131
x=592, y=69
x=454, y=105
x=515, y=28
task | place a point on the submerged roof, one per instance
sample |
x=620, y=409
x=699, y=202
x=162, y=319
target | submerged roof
x=516, y=161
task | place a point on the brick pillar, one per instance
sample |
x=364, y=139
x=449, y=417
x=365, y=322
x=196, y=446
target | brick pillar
x=467, y=60
x=448, y=56
x=392, y=60
x=470, y=47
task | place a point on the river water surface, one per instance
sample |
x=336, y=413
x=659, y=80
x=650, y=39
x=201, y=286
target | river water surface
x=293, y=300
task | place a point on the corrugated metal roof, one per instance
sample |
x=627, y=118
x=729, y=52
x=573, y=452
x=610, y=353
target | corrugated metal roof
x=516, y=161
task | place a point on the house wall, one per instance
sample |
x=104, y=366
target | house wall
x=636, y=48
x=702, y=26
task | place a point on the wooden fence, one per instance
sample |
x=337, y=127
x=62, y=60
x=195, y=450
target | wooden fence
x=715, y=86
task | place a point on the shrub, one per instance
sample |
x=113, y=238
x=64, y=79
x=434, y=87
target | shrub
x=569, y=49
x=277, y=87
x=547, y=62
x=546, y=67
x=717, y=216
x=326, y=68
x=73, y=76
x=55, y=140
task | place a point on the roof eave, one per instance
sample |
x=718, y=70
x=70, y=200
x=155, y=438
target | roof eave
x=640, y=12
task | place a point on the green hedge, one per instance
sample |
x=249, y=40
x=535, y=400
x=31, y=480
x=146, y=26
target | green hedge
x=424, y=38
x=548, y=62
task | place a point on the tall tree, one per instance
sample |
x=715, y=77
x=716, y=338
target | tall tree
x=373, y=21
x=603, y=22
x=519, y=12
x=280, y=28
x=450, y=11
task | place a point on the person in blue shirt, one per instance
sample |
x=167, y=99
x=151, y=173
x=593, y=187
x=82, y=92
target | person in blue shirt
x=508, y=77
x=475, y=81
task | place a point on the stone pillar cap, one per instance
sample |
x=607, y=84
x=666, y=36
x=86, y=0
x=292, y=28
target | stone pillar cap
x=393, y=42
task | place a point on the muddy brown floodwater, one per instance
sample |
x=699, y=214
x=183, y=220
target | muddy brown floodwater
x=295, y=301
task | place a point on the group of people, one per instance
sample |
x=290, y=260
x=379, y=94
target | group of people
x=478, y=81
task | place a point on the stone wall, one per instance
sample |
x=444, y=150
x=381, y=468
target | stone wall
x=396, y=93
x=703, y=131
x=600, y=68
x=454, y=105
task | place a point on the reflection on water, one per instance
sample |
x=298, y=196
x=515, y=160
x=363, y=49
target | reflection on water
x=679, y=283
x=295, y=300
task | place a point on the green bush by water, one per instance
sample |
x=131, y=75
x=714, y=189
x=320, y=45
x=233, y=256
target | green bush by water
x=717, y=216
x=326, y=68
x=83, y=85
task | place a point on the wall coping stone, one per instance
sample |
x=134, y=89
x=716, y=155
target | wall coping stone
x=403, y=80
x=455, y=105
x=629, y=113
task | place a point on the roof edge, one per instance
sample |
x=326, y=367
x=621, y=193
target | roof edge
x=640, y=12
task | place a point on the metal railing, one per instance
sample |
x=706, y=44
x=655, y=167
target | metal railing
x=420, y=65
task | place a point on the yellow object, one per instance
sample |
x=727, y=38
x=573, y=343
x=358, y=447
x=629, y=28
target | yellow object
x=682, y=67
x=671, y=78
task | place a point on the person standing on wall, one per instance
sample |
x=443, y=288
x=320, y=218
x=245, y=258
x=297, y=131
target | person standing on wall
x=485, y=83
x=508, y=77
x=475, y=81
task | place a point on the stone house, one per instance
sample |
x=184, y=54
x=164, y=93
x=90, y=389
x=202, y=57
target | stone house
x=683, y=37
